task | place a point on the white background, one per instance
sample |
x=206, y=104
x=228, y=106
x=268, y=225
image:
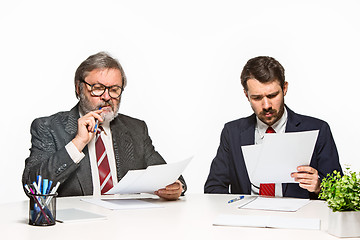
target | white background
x=183, y=60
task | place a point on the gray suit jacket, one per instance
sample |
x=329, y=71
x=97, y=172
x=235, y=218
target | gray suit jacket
x=133, y=149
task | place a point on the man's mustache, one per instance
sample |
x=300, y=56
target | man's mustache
x=105, y=104
x=264, y=112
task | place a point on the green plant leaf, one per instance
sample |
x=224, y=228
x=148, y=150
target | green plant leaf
x=342, y=193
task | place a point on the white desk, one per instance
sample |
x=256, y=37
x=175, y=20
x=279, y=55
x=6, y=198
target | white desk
x=188, y=218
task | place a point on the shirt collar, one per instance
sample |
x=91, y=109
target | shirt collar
x=279, y=126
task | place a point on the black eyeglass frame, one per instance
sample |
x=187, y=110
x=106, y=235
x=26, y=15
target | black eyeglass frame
x=105, y=88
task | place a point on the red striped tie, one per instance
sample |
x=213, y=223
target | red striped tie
x=106, y=182
x=267, y=189
x=270, y=130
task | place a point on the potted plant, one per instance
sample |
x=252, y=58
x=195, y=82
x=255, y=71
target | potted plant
x=342, y=194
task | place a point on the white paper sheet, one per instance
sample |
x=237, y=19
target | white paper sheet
x=278, y=156
x=76, y=215
x=121, y=204
x=276, y=204
x=251, y=155
x=150, y=179
x=267, y=221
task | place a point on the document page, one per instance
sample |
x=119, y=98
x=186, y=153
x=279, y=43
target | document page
x=267, y=222
x=150, y=179
x=76, y=215
x=121, y=204
x=276, y=204
x=278, y=156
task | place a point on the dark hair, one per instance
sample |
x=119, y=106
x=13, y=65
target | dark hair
x=97, y=61
x=264, y=69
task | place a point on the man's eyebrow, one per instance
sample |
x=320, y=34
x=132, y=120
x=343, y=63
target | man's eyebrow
x=256, y=96
x=273, y=93
x=261, y=95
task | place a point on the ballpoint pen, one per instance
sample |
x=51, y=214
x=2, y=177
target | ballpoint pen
x=39, y=183
x=96, y=123
x=36, y=188
x=53, y=191
x=236, y=199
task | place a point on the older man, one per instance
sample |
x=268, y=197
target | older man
x=91, y=147
x=264, y=84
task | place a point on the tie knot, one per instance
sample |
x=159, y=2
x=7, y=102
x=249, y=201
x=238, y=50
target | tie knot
x=99, y=129
x=270, y=130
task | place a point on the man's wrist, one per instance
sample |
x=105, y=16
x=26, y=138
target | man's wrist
x=80, y=145
x=74, y=153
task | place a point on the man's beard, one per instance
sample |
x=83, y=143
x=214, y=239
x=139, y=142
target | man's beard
x=86, y=107
x=277, y=115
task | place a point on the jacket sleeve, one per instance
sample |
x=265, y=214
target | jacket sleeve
x=325, y=158
x=218, y=180
x=48, y=156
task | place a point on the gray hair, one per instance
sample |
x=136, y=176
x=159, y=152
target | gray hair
x=97, y=61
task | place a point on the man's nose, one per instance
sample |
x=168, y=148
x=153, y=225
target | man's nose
x=106, y=96
x=266, y=103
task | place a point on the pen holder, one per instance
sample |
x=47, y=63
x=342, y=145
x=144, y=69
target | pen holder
x=42, y=209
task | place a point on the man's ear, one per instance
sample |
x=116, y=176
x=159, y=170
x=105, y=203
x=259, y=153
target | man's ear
x=246, y=95
x=77, y=90
x=286, y=84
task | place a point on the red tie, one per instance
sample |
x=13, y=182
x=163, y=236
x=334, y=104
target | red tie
x=267, y=189
x=106, y=182
x=270, y=130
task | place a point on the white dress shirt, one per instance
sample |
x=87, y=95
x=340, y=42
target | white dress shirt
x=261, y=127
x=77, y=156
x=260, y=130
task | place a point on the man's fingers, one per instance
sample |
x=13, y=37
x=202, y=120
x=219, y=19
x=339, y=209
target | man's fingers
x=174, y=186
x=170, y=192
x=305, y=181
x=306, y=169
x=304, y=175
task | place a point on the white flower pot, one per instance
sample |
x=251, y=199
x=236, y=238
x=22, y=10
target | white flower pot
x=344, y=224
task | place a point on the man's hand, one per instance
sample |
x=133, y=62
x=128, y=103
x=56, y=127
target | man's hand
x=170, y=192
x=308, y=178
x=86, y=127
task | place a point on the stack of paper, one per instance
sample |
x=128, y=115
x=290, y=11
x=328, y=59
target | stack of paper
x=267, y=221
x=121, y=204
x=275, y=204
x=76, y=215
x=150, y=179
x=278, y=156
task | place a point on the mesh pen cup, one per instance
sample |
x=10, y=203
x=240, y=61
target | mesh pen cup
x=42, y=209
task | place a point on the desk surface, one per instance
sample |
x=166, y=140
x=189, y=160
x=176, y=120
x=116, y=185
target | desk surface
x=191, y=217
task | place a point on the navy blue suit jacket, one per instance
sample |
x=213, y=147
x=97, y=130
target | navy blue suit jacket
x=228, y=170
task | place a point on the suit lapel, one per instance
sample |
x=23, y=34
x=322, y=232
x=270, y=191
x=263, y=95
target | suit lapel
x=71, y=124
x=123, y=146
x=247, y=136
x=293, y=121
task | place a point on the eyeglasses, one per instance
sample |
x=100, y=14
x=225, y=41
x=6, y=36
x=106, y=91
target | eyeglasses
x=99, y=89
